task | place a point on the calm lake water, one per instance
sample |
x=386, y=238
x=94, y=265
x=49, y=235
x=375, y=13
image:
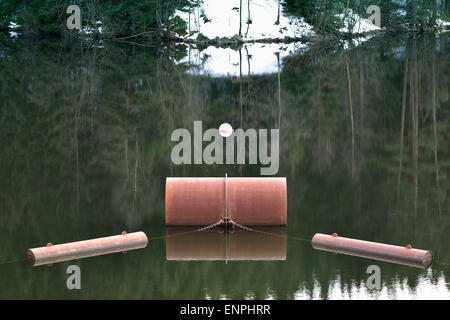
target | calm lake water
x=85, y=150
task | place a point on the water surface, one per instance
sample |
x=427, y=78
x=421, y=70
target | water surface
x=85, y=150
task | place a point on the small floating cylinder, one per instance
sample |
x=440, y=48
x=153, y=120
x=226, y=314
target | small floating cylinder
x=200, y=201
x=86, y=248
x=373, y=250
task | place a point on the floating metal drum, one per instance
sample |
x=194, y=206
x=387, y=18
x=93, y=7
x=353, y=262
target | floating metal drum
x=200, y=201
x=373, y=250
x=87, y=248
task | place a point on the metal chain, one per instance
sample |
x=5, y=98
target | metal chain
x=242, y=227
x=210, y=226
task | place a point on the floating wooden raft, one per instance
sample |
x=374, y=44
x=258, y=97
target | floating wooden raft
x=87, y=248
x=373, y=250
x=201, y=201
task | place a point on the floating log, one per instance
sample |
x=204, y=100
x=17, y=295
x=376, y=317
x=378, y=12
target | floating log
x=373, y=250
x=237, y=245
x=201, y=201
x=87, y=248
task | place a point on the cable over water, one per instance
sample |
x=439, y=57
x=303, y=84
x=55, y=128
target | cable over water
x=12, y=261
x=173, y=235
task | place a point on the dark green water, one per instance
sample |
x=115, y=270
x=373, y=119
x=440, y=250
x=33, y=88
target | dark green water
x=85, y=150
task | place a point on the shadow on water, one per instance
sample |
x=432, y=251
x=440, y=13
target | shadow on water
x=85, y=140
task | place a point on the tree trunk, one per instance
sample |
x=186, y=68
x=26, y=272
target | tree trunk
x=278, y=15
x=248, y=17
x=240, y=18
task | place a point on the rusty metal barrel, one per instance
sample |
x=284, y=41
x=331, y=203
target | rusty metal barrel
x=373, y=250
x=251, y=201
x=235, y=246
x=87, y=248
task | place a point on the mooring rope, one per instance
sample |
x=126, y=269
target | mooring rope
x=13, y=261
x=270, y=233
x=280, y=235
x=173, y=235
x=442, y=263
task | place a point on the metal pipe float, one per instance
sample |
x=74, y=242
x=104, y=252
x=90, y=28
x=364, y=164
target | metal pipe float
x=235, y=246
x=86, y=248
x=201, y=201
x=373, y=250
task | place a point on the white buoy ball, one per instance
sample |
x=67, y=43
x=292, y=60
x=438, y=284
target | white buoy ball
x=225, y=130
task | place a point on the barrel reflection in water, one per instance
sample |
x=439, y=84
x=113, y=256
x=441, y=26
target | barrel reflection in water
x=235, y=245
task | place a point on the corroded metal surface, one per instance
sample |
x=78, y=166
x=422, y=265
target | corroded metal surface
x=258, y=201
x=200, y=201
x=87, y=248
x=238, y=245
x=373, y=250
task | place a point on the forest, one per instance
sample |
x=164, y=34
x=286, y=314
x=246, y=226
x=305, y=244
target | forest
x=156, y=18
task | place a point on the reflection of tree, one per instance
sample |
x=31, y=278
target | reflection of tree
x=249, y=19
x=434, y=102
x=415, y=189
x=351, y=116
x=414, y=111
x=277, y=22
x=240, y=17
x=279, y=90
x=402, y=130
